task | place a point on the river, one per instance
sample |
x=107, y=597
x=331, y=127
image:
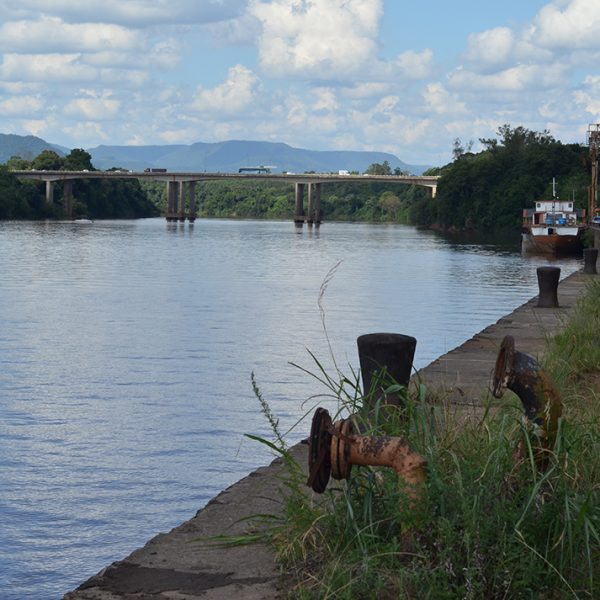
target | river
x=126, y=353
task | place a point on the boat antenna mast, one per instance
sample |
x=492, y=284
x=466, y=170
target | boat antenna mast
x=593, y=142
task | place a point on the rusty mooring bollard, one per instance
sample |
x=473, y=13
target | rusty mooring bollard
x=590, y=256
x=548, y=283
x=385, y=358
x=521, y=373
x=334, y=448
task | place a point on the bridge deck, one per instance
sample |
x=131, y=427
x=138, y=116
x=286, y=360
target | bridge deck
x=424, y=180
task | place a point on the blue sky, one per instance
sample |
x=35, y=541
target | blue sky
x=396, y=76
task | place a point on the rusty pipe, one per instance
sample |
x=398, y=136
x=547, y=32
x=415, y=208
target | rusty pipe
x=522, y=374
x=335, y=448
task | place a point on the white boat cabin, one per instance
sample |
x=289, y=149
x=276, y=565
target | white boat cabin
x=550, y=217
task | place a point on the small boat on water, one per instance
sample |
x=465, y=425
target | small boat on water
x=552, y=227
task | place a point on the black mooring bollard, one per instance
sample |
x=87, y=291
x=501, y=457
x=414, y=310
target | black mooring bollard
x=392, y=352
x=590, y=256
x=548, y=283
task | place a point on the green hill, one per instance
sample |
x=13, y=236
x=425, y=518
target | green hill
x=28, y=146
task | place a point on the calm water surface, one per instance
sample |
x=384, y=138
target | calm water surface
x=126, y=350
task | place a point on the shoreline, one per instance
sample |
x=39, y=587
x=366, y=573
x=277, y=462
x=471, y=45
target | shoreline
x=172, y=565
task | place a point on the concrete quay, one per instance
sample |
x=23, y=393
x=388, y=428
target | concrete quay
x=173, y=566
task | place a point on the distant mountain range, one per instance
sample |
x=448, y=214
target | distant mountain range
x=25, y=146
x=229, y=156
x=225, y=157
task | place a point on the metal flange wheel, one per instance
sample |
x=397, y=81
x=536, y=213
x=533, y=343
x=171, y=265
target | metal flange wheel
x=504, y=366
x=319, y=459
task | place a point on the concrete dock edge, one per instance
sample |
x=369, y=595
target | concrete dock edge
x=175, y=566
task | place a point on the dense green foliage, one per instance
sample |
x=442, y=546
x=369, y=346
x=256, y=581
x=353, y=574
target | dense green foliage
x=21, y=200
x=96, y=199
x=489, y=190
x=352, y=201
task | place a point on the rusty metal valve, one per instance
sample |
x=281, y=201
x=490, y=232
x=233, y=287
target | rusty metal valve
x=521, y=373
x=334, y=448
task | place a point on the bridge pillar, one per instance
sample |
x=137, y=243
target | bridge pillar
x=172, y=193
x=299, y=208
x=311, y=204
x=314, y=203
x=49, y=192
x=68, y=198
x=192, y=192
x=182, y=191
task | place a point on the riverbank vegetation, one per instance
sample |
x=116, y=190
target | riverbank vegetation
x=95, y=199
x=488, y=524
x=488, y=190
x=252, y=199
x=484, y=191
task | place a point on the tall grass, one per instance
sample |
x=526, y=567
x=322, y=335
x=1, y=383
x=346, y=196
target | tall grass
x=488, y=525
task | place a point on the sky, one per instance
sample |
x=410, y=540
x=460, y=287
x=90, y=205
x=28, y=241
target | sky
x=396, y=76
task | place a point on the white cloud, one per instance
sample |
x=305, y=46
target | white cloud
x=519, y=78
x=136, y=13
x=413, y=65
x=325, y=100
x=21, y=106
x=243, y=30
x=92, y=109
x=20, y=87
x=35, y=126
x=234, y=95
x=442, y=102
x=492, y=47
x=588, y=98
x=386, y=128
x=163, y=55
x=64, y=69
x=45, y=68
x=87, y=133
x=366, y=90
x=317, y=38
x=52, y=35
x=572, y=24
x=324, y=78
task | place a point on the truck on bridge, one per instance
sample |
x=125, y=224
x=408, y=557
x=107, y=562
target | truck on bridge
x=259, y=169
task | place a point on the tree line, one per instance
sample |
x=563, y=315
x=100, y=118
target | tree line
x=340, y=201
x=95, y=199
x=488, y=190
x=485, y=191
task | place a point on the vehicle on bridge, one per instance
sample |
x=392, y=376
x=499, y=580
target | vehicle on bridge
x=151, y=170
x=259, y=169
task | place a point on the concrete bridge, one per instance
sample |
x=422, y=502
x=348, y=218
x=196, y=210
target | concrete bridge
x=181, y=187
